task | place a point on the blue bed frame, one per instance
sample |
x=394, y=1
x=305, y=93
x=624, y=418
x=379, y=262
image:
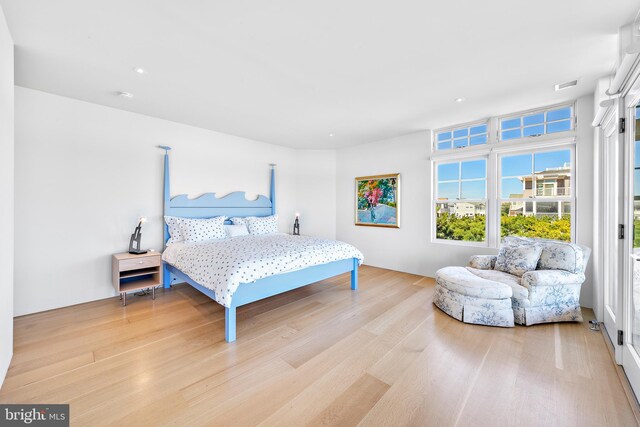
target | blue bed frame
x=232, y=205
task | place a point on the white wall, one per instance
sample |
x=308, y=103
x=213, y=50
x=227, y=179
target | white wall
x=409, y=248
x=585, y=150
x=316, y=193
x=84, y=173
x=6, y=196
x=597, y=256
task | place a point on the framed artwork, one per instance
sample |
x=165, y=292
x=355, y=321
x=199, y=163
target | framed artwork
x=378, y=200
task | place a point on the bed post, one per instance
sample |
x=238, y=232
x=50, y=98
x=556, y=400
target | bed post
x=354, y=274
x=230, y=324
x=166, y=276
x=273, y=188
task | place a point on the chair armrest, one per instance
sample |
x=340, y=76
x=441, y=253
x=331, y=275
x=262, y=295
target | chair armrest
x=551, y=278
x=483, y=262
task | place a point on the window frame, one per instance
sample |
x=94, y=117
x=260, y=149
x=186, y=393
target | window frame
x=435, y=201
x=461, y=126
x=491, y=151
x=544, y=110
x=493, y=130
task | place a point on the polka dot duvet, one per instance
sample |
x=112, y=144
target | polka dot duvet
x=222, y=265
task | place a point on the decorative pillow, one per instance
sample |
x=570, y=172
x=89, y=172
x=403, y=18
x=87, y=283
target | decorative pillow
x=236, y=230
x=262, y=225
x=556, y=255
x=175, y=234
x=562, y=256
x=200, y=230
x=236, y=220
x=519, y=259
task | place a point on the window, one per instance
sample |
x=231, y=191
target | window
x=536, y=123
x=508, y=175
x=535, y=195
x=461, y=200
x=461, y=137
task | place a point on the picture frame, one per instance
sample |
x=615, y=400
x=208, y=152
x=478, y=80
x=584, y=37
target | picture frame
x=377, y=200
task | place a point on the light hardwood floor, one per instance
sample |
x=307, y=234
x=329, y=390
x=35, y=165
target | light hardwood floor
x=319, y=355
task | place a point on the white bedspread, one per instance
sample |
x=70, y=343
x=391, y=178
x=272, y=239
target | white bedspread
x=221, y=265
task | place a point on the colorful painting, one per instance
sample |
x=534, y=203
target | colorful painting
x=378, y=200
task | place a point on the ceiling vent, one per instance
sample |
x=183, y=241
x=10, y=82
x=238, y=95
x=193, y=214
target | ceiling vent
x=566, y=85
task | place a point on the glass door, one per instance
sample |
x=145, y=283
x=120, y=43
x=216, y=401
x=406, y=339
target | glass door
x=631, y=263
x=613, y=194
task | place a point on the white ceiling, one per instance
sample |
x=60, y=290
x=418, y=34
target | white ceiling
x=292, y=72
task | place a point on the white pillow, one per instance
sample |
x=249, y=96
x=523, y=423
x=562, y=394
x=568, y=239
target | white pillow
x=200, y=230
x=236, y=220
x=236, y=230
x=262, y=225
x=175, y=234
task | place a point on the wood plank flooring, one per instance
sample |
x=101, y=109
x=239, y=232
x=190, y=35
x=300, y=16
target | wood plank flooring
x=319, y=355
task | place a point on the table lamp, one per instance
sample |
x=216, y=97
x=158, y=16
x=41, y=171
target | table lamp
x=296, y=226
x=135, y=238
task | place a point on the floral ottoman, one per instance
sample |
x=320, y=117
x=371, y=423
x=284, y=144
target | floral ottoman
x=472, y=299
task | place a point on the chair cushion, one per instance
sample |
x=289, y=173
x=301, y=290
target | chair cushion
x=518, y=291
x=556, y=255
x=518, y=259
x=562, y=256
x=462, y=281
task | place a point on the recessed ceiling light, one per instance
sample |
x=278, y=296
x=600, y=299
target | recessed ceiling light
x=127, y=95
x=139, y=70
x=331, y=134
x=459, y=99
x=566, y=85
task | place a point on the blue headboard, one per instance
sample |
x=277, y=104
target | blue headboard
x=208, y=205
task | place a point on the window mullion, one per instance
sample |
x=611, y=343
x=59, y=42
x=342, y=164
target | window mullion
x=459, y=180
x=493, y=235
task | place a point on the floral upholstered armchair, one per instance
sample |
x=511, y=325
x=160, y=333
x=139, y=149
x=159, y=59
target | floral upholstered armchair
x=544, y=275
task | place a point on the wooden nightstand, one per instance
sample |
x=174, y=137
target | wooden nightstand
x=136, y=272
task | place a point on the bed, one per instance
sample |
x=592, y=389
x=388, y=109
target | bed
x=302, y=261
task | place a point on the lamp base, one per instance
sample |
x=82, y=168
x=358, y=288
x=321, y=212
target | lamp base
x=137, y=251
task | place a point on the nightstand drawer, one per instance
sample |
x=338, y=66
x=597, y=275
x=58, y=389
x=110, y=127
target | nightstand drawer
x=136, y=263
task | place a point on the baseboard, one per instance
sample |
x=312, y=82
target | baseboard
x=4, y=368
x=626, y=386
